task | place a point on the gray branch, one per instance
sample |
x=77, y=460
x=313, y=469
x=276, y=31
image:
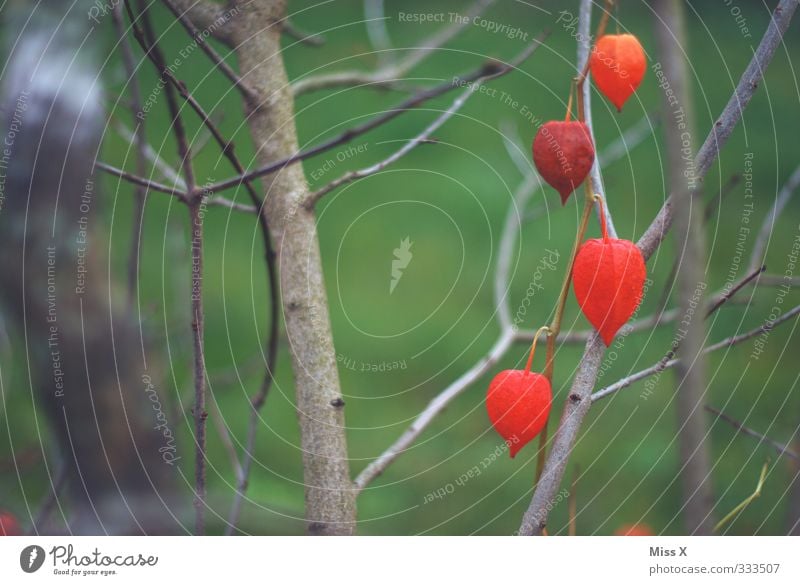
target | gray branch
x=576, y=408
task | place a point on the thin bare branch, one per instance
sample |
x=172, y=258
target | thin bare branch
x=220, y=201
x=378, y=33
x=778, y=280
x=689, y=241
x=307, y=38
x=420, y=138
x=498, y=350
x=146, y=38
x=781, y=448
x=585, y=88
x=576, y=408
x=725, y=343
x=198, y=36
x=208, y=16
x=228, y=150
x=225, y=438
x=627, y=141
x=140, y=141
x=165, y=169
x=487, y=71
x=726, y=296
x=728, y=120
x=516, y=152
x=393, y=70
x=436, y=406
x=137, y=180
x=765, y=233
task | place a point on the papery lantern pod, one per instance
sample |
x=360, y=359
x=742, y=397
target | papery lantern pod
x=518, y=403
x=563, y=153
x=618, y=64
x=608, y=279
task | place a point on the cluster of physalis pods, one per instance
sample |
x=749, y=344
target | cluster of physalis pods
x=607, y=274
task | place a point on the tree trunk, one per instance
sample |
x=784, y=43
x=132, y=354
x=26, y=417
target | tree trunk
x=330, y=497
x=682, y=180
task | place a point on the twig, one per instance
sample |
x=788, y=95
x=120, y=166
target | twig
x=489, y=70
x=436, y=406
x=584, y=115
x=207, y=15
x=707, y=214
x=747, y=501
x=140, y=141
x=690, y=246
x=198, y=37
x=147, y=40
x=397, y=155
x=137, y=180
x=167, y=171
x=393, y=70
x=764, y=234
x=145, y=36
x=498, y=350
x=778, y=280
x=724, y=298
x=228, y=150
x=378, y=34
x=633, y=136
x=719, y=300
x=512, y=143
x=575, y=410
x=781, y=448
x=307, y=38
x=725, y=343
x=584, y=89
x=220, y=201
x=728, y=120
x=225, y=437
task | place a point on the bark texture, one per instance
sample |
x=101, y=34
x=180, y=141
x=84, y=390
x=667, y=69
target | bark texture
x=329, y=493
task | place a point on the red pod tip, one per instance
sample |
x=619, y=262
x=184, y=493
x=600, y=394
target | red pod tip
x=618, y=64
x=518, y=404
x=608, y=280
x=563, y=154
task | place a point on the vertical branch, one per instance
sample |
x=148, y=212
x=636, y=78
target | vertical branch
x=585, y=99
x=583, y=91
x=678, y=123
x=146, y=37
x=196, y=209
x=535, y=518
x=378, y=34
x=330, y=497
x=139, y=137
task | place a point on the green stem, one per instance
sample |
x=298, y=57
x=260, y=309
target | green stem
x=555, y=326
x=746, y=502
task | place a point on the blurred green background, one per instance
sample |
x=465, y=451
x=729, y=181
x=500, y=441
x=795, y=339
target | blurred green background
x=450, y=199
